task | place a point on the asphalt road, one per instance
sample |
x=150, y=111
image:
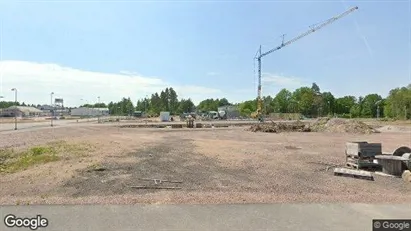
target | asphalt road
x=281, y=217
x=86, y=122
x=45, y=124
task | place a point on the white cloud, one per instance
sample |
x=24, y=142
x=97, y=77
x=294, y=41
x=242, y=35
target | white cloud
x=281, y=81
x=35, y=82
x=212, y=73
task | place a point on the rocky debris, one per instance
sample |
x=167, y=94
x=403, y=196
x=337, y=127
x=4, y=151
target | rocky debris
x=280, y=127
x=337, y=125
x=334, y=125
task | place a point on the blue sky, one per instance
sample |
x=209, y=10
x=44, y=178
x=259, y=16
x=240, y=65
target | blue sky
x=85, y=49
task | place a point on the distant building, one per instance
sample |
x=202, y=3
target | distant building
x=21, y=111
x=56, y=110
x=45, y=108
x=85, y=111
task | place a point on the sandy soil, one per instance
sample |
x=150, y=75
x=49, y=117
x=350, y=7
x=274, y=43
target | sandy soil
x=225, y=165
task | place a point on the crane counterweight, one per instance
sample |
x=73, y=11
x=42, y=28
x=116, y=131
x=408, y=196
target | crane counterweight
x=258, y=113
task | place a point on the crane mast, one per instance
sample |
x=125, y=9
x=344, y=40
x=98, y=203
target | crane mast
x=283, y=44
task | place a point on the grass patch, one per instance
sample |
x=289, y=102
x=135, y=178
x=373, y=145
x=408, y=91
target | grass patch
x=81, y=149
x=12, y=161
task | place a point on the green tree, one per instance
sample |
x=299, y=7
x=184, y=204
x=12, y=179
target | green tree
x=173, y=100
x=247, y=107
x=398, y=103
x=369, y=105
x=305, y=97
x=281, y=101
x=328, y=103
x=355, y=110
x=155, y=104
x=6, y=104
x=185, y=106
x=223, y=102
x=268, y=105
x=344, y=104
x=164, y=101
x=208, y=105
x=315, y=88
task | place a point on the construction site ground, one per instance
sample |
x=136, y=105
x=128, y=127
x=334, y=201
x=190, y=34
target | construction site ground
x=100, y=163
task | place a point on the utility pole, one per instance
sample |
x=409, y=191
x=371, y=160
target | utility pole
x=329, y=108
x=378, y=112
x=15, y=109
x=99, y=111
x=378, y=108
x=51, y=109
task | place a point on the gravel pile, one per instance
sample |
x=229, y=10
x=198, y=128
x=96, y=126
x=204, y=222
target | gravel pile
x=280, y=127
x=336, y=125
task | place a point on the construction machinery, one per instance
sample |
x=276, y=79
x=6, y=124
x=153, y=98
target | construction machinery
x=258, y=114
x=215, y=115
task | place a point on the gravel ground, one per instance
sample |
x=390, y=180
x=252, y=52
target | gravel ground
x=227, y=165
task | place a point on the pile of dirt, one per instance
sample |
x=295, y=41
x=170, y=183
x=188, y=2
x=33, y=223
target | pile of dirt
x=280, y=127
x=341, y=126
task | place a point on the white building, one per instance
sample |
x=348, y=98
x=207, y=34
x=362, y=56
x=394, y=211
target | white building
x=85, y=111
x=56, y=110
x=21, y=111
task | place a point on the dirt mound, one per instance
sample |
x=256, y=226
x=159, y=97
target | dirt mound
x=280, y=127
x=341, y=126
x=320, y=125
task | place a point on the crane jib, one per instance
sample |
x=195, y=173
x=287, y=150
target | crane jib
x=327, y=22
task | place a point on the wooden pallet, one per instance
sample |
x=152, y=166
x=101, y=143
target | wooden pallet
x=371, y=167
x=358, y=174
x=358, y=162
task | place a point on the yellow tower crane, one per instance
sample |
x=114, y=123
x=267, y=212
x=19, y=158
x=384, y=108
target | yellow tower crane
x=258, y=114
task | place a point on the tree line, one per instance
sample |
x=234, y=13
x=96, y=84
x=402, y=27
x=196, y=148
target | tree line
x=308, y=101
x=311, y=102
x=6, y=104
x=166, y=100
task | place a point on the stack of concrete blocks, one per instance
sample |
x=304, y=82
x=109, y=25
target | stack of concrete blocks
x=361, y=155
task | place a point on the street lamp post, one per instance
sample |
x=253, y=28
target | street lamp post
x=15, y=110
x=329, y=108
x=51, y=108
x=378, y=108
x=145, y=105
x=99, y=111
x=1, y=97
